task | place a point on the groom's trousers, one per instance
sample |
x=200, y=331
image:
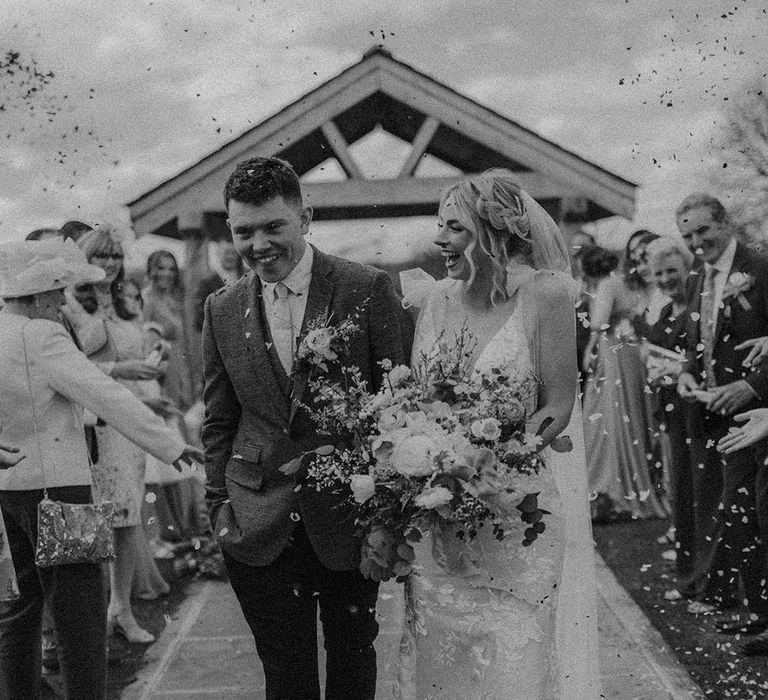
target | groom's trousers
x=279, y=602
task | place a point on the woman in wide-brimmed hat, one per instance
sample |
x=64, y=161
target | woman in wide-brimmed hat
x=44, y=382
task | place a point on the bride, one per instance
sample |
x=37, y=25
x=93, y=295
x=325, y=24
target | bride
x=510, y=621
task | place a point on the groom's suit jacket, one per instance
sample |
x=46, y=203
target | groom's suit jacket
x=253, y=423
x=741, y=317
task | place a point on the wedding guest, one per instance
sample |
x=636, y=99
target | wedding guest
x=148, y=582
x=639, y=278
x=670, y=262
x=729, y=306
x=44, y=380
x=617, y=421
x=232, y=270
x=163, y=304
x=50, y=657
x=580, y=242
x=119, y=476
x=180, y=500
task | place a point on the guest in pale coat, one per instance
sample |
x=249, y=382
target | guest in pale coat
x=44, y=382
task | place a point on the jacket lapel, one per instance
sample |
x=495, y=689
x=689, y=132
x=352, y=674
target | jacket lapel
x=737, y=266
x=319, y=299
x=261, y=350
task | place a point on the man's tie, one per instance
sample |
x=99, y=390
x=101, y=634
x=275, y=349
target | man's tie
x=707, y=324
x=282, y=327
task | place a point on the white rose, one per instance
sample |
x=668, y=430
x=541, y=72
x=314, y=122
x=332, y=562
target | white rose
x=382, y=445
x=398, y=375
x=417, y=422
x=433, y=497
x=486, y=429
x=439, y=409
x=319, y=342
x=363, y=487
x=412, y=456
x=390, y=419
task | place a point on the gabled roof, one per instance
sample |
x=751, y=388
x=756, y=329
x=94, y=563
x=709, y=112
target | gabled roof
x=434, y=118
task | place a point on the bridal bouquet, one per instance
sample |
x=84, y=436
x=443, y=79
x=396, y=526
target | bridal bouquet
x=439, y=445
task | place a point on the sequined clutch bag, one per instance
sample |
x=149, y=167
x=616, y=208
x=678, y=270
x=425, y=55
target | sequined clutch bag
x=73, y=533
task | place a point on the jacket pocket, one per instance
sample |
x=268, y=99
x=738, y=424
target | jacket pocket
x=244, y=467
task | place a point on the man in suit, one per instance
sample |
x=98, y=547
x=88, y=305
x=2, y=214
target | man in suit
x=728, y=306
x=288, y=547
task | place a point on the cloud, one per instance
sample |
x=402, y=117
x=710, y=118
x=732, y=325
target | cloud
x=144, y=89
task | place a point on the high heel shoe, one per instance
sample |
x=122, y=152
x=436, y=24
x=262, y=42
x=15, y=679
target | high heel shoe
x=128, y=629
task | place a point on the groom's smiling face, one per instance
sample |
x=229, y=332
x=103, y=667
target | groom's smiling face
x=270, y=236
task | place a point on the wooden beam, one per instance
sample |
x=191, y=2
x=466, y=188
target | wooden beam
x=339, y=145
x=420, y=142
x=409, y=191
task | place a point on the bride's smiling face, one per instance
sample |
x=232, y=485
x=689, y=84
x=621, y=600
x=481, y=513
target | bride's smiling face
x=457, y=241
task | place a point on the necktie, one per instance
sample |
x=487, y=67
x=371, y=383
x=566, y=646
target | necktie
x=707, y=324
x=282, y=326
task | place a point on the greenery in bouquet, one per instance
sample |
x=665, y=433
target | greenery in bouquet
x=439, y=444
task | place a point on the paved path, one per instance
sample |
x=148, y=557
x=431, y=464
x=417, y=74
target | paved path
x=206, y=651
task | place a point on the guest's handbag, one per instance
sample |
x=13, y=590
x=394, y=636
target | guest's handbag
x=73, y=533
x=69, y=533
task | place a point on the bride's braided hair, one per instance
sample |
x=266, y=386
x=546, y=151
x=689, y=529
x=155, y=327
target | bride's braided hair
x=493, y=202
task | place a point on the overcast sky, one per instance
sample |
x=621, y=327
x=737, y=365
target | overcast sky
x=142, y=89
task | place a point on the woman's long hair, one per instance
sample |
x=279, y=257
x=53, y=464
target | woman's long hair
x=99, y=240
x=631, y=276
x=492, y=206
x=155, y=258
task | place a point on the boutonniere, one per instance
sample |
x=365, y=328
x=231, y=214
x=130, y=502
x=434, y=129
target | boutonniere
x=324, y=342
x=735, y=286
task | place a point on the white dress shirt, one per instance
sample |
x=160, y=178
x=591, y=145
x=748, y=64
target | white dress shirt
x=297, y=281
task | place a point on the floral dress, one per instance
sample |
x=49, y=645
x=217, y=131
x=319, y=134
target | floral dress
x=119, y=476
x=480, y=616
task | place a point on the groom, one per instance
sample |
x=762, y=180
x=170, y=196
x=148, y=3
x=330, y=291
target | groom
x=287, y=547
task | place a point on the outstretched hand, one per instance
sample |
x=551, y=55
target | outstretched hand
x=7, y=460
x=190, y=457
x=758, y=351
x=754, y=429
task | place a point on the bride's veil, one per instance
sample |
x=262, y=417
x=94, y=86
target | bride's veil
x=576, y=622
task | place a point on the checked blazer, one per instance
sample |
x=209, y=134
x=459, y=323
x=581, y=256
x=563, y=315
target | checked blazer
x=253, y=423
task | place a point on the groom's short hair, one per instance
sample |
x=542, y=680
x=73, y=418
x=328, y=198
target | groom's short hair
x=257, y=180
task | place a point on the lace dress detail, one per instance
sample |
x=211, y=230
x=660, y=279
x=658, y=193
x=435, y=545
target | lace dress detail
x=480, y=616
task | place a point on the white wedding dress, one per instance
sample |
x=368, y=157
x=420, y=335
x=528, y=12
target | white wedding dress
x=487, y=619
